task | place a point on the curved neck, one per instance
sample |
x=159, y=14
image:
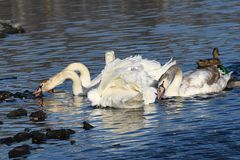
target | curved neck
x=64, y=75
x=84, y=73
x=173, y=88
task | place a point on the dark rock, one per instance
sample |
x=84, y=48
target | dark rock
x=2, y=35
x=10, y=100
x=7, y=140
x=1, y=122
x=38, y=116
x=10, y=28
x=71, y=131
x=61, y=134
x=87, y=126
x=22, y=136
x=72, y=142
x=17, y=112
x=4, y=95
x=27, y=130
x=38, y=137
x=24, y=95
x=19, y=151
x=48, y=129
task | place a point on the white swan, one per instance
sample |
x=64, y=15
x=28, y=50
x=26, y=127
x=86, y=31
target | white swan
x=122, y=82
x=200, y=81
x=128, y=82
x=70, y=72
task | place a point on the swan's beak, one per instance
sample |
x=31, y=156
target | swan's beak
x=160, y=91
x=38, y=92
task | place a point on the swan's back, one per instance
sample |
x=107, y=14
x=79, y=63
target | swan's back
x=202, y=81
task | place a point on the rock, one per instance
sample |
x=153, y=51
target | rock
x=27, y=129
x=10, y=28
x=19, y=151
x=1, y=122
x=17, y=112
x=71, y=131
x=2, y=35
x=24, y=95
x=4, y=95
x=22, y=136
x=61, y=134
x=7, y=140
x=72, y=142
x=38, y=137
x=87, y=126
x=38, y=116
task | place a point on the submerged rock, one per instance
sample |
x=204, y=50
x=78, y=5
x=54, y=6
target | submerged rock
x=22, y=136
x=17, y=112
x=38, y=116
x=72, y=142
x=4, y=95
x=2, y=35
x=61, y=134
x=38, y=137
x=87, y=126
x=19, y=151
x=24, y=95
x=7, y=140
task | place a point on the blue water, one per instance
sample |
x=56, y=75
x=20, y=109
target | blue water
x=61, y=32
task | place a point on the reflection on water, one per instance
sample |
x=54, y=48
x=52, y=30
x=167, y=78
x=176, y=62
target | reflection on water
x=62, y=32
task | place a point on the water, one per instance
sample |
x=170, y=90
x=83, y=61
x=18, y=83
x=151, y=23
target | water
x=61, y=32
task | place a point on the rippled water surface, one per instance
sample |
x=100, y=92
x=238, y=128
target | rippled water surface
x=61, y=32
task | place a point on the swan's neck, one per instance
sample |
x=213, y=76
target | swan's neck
x=84, y=73
x=64, y=75
x=174, y=87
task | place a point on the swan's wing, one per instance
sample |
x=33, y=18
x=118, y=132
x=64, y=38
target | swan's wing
x=201, y=77
x=205, y=80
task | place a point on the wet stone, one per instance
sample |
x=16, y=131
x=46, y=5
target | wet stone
x=61, y=134
x=19, y=151
x=38, y=137
x=87, y=126
x=6, y=26
x=7, y=140
x=5, y=95
x=22, y=136
x=17, y=112
x=72, y=142
x=23, y=95
x=38, y=116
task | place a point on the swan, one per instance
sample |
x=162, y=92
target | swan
x=201, y=81
x=128, y=83
x=122, y=82
x=70, y=72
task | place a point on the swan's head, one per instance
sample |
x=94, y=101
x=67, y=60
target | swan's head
x=45, y=86
x=163, y=83
x=165, y=80
x=109, y=56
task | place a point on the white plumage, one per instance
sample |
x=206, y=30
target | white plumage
x=200, y=81
x=128, y=82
